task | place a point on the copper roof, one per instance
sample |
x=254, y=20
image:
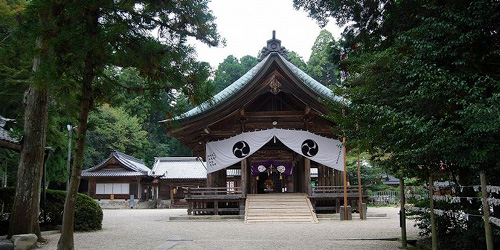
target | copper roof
x=307, y=81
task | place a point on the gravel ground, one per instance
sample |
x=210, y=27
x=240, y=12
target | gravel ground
x=151, y=229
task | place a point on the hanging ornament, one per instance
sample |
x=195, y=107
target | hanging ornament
x=261, y=168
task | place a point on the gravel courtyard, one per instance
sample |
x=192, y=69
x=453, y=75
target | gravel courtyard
x=152, y=229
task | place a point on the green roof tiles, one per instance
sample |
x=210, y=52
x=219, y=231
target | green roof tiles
x=309, y=82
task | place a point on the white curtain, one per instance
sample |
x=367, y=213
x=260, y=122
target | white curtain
x=224, y=153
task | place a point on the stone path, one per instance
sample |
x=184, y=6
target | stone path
x=151, y=229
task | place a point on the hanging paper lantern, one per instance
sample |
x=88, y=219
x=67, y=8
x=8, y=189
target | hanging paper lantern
x=281, y=169
x=261, y=168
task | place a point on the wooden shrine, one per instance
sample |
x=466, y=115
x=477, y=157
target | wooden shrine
x=273, y=94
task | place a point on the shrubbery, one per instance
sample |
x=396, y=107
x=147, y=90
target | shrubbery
x=88, y=214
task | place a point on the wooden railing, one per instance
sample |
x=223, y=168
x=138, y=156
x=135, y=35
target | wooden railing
x=211, y=200
x=212, y=192
x=333, y=191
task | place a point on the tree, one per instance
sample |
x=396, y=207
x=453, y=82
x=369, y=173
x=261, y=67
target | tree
x=117, y=34
x=24, y=216
x=424, y=86
x=297, y=60
x=320, y=66
x=231, y=69
x=114, y=129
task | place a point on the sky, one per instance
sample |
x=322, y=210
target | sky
x=248, y=24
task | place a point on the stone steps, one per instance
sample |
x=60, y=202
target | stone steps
x=279, y=208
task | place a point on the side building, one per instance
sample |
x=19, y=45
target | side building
x=119, y=177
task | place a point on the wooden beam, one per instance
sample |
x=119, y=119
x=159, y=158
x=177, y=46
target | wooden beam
x=9, y=145
x=307, y=110
x=206, y=130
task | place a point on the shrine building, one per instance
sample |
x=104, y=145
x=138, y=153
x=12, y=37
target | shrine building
x=270, y=125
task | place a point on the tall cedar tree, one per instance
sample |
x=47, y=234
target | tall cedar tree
x=118, y=33
x=25, y=211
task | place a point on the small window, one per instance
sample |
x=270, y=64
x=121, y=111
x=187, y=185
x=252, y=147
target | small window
x=112, y=188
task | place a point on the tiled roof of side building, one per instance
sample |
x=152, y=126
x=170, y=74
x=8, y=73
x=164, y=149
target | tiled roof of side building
x=112, y=173
x=131, y=163
x=179, y=168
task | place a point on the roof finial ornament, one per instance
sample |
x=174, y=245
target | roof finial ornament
x=273, y=45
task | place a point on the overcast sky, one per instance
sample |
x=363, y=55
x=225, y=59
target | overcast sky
x=248, y=24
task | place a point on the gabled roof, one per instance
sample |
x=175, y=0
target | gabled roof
x=308, y=82
x=173, y=168
x=131, y=167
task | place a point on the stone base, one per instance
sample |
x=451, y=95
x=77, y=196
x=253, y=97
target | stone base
x=24, y=241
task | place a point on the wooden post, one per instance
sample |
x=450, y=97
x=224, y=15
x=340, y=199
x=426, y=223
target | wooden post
x=433, y=217
x=244, y=178
x=139, y=189
x=486, y=212
x=360, y=193
x=345, y=180
x=307, y=175
x=402, y=212
x=172, y=200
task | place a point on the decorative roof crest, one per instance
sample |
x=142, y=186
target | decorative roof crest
x=273, y=45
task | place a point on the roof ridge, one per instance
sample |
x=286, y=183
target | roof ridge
x=223, y=94
x=128, y=156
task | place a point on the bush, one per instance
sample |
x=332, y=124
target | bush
x=88, y=214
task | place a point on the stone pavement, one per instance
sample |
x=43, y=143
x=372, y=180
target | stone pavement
x=152, y=229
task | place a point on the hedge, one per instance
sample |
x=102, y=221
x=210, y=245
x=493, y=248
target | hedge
x=88, y=214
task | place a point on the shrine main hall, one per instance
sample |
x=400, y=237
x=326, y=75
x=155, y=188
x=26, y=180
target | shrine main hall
x=271, y=128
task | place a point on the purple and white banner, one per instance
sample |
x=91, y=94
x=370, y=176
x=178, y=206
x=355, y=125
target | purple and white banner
x=224, y=153
x=284, y=168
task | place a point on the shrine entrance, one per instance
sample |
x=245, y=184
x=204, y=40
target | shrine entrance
x=270, y=183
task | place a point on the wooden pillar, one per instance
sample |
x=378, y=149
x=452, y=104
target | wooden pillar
x=172, y=199
x=139, y=188
x=244, y=177
x=300, y=175
x=321, y=175
x=336, y=181
x=329, y=177
x=217, y=178
x=307, y=176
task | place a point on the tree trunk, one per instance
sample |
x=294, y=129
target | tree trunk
x=486, y=212
x=26, y=207
x=433, y=217
x=66, y=240
x=402, y=212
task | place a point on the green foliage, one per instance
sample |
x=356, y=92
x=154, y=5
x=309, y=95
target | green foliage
x=88, y=214
x=321, y=65
x=423, y=91
x=231, y=69
x=297, y=60
x=114, y=129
